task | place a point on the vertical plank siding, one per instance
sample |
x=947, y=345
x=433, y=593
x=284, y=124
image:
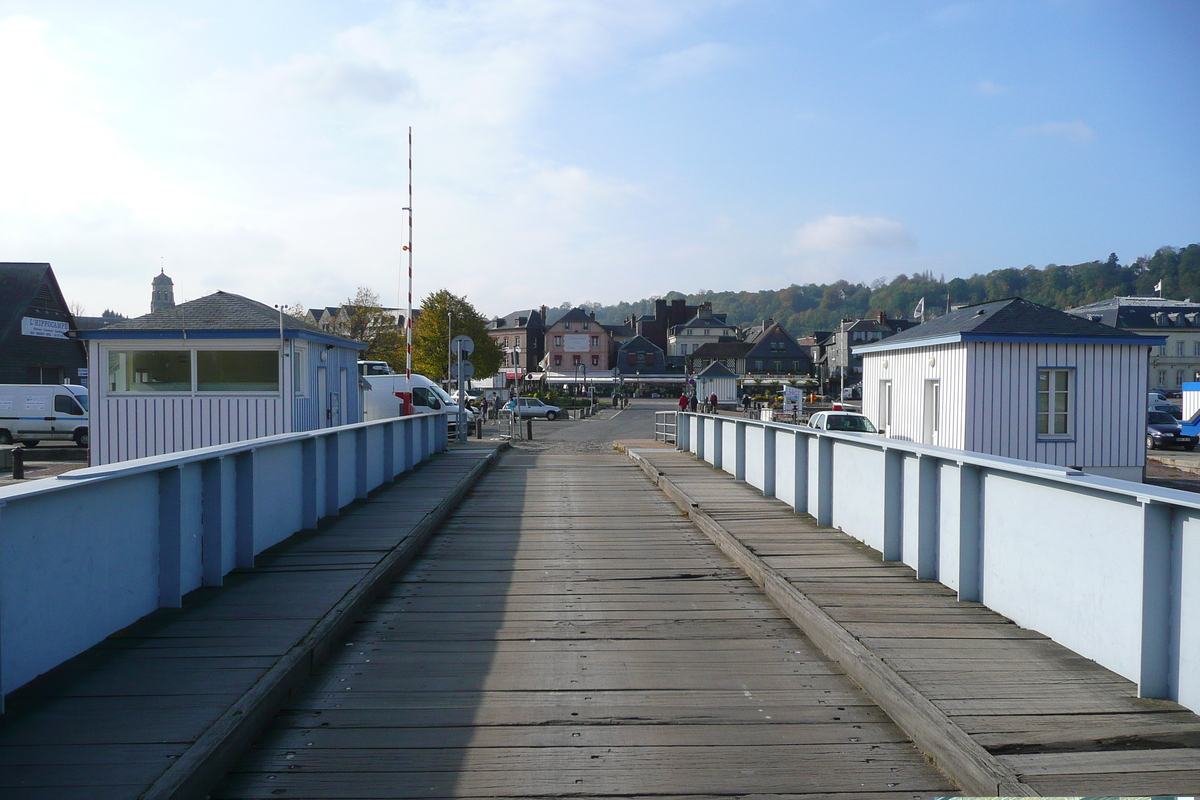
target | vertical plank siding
x=989, y=399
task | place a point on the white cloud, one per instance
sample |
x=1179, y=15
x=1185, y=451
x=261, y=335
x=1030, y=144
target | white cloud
x=325, y=79
x=990, y=88
x=1074, y=131
x=846, y=235
x=689, y=64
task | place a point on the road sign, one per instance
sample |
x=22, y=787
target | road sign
x=463, y=344
x=468, y=371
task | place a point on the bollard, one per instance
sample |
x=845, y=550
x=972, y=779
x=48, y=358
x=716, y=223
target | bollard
x=18, y=455
x=529, y=429
x=479, y=427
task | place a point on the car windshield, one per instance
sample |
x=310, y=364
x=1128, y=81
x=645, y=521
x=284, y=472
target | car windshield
x=442, y=394
x=845, y=422
x=1160, y=418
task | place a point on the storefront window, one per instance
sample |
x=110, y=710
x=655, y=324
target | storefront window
x=149, y=371
x=237, y=371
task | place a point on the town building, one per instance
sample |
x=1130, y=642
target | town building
x=521, y=335
x=657, y=326
x=34, y=321
x=575, y=341
x=1015, y=379
x=639, y=355
x=836, y=361
x=704, y=328
x=220, y=369
x=162, y=292
x=1177, y=360
x=768, y=352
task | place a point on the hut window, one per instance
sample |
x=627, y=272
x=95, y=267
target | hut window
x=237, y=371
x=1054, y=402
x=149, y=371
x=300, y=370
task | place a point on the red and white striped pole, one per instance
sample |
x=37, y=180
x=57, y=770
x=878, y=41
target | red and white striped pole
x=408, y=319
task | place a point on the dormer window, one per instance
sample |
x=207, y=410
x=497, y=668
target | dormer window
x=566, y=326
x=585, y=325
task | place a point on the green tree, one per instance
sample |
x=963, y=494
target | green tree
x=431, y=345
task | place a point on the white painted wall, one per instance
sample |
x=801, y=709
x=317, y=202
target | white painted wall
x=988, y=397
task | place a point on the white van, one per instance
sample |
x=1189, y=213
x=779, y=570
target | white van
x=30, y=413
x=381, y=400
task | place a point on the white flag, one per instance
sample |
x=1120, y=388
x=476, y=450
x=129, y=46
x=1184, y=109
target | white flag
x=919, y=311
x=1158, y=287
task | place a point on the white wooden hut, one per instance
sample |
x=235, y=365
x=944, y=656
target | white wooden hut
x=1016, y=379
x=216, y=370
x=717, y=378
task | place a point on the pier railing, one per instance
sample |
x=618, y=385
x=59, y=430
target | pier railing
x=1108, y=568
x=92, y=551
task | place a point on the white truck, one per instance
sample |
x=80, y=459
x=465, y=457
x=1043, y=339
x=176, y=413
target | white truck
x=383, y=399
x=30, y=413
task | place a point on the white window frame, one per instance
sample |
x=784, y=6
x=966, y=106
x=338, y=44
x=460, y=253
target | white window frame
x=1060, y=381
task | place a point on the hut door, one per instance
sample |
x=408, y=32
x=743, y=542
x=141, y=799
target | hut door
x=323, y=409
x=933, y=401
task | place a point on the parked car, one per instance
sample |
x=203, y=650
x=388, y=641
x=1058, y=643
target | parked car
x=532, y=407
x=30, y=413
x=1163, y=430
x=1167, y=408
x=841, y=421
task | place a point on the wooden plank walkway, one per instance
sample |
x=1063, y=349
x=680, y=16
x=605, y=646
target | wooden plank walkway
x=570, y=634
x=1061, y=723
x=161, y=706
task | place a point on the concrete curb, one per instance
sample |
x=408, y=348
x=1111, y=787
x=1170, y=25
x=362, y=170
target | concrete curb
x=964, y=761
x=211, y=756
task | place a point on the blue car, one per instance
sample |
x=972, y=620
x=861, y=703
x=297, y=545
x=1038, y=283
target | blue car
x=1163, y=431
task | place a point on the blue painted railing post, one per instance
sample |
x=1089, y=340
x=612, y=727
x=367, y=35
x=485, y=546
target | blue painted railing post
x=970, y=533
x=243, y=550
x=170, y=532
x=683, y=431
x=739, y=450
x=309, y=491
x=927, y=518
x=360, y=464
x=332, y=474
x=389, y=450
x=212, y=522
x=1161, y=584
x=409, y=432
x=800, y=443
x=768, y=462
x=824, y=513
x=718, y=456
x=893, y=505
x=701, y=434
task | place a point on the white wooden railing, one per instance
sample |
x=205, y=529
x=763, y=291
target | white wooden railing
x=1108, y=568
x=92, y=551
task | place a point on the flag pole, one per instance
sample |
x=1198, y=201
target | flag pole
x=408, y=321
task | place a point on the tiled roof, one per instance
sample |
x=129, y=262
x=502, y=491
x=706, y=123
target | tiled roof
x=1012, y=317
x=221, y=311
x=722, y=350
x=18, y=285
x=716, y=370
x=1142, y=313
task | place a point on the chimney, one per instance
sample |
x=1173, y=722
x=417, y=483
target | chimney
x=705, y=311
x=768, y=322
x=543, y=313
x=593, y=316
x=881, y=317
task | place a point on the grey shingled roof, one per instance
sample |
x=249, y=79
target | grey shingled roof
x=1012, y=317
x=222, y=311
x=716, y=370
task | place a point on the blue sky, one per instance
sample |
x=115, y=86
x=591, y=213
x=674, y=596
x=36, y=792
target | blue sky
x=587, y=151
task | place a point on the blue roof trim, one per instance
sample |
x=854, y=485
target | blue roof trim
x=1140, y=339
x=181, y=335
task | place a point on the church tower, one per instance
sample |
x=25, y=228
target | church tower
x=162, y=294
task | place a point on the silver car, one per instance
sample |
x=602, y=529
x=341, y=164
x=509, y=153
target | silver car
x=532, y=407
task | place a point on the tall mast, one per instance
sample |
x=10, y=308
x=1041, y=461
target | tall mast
x=408, y=319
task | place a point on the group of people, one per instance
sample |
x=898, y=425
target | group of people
x=689, y=402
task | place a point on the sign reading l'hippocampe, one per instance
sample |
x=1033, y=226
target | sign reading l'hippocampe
x=46, y=328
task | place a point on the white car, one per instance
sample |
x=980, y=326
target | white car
x=841, y=421
x=532, y=407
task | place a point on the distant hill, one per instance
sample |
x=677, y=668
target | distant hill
x=813, y=307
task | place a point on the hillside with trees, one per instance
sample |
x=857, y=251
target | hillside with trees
x=812, y=307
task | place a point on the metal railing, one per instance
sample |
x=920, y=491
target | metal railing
x=92, y=551
x=665, y=423
x=1108, y=568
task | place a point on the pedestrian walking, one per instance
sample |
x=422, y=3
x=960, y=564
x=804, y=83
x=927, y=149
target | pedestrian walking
x=692, y=403
x=483, y=407
x=746, y=404
x=683, y=401
x=712, y=403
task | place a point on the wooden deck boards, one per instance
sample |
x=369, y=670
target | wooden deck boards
x=1064, y=724
x=570, y=634
x=111, y=721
